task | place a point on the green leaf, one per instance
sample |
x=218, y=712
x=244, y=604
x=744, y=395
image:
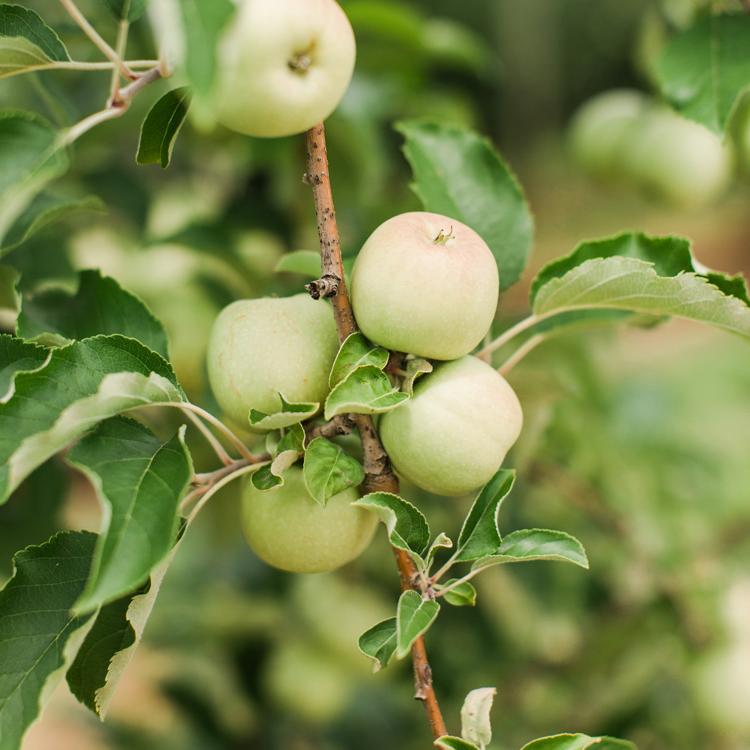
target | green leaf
x=475, y=716
x=265, y=479
x=356, y=352
x=446, y=742
x=536, y=544
x=705, y=70
x=379, y=643
x=328, y=470
x=139, y=482
x=578, y=742
x=99, y=306
x=127, y=10
x=81, y=384
x=479, y=535
x=290, y=413
x=366, y=390
x=29, y=159
x=441, y=541
x=161, y=127
x=460, y=174
x=414, y=616
x=304, y=262
x=634, y=285
x=10, y=299
x=17, y=356
x=44, y=210
x=293, y=439
x=111, y=643
x=415, y=368
x=407, y=527
x=26, y=42
x=38, y=634
x=464, y=595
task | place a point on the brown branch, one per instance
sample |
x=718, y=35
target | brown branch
x=343, y=424
x=379, y=476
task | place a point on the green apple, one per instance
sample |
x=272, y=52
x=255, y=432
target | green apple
x=425, y=284
x=262, y=347
x=600, y=127
x=452, y=436
x=284, y=65
x=289, y=530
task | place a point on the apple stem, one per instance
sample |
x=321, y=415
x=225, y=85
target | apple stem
x=379, y=476
x=443, y=238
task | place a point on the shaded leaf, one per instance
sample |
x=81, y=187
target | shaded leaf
x=99, y=306
x=26, y=41
x=10, y=299
x=289, y=413
x=366, y=390
x=480, y=535
x=446, y=742
x=17, y=356
x=355, y=352
x=38, y=634
x=441, y=541
x=463, y=595
x=304, y=262
x=328, y=470
x=460, y=174
x=265, y=479
x=407, y=527
x=161, y=127
x=414, y=616
x=139, y=482
x=126, y=10
x=578, y=742
x=379, y=643
x=415, y=368
x=536, y=544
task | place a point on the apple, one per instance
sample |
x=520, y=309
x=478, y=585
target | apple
x=262, y=347
x=425, y=284
x=452, y=436
x=289, y=530
x=284, y=66
x=601, y=126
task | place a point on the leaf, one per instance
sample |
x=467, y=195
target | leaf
x=705, y=69
x=26, y=42
x=289, y=414
x=10, y=299
x=127, y=10
x=578, y=742
x=81, y=384
x=632, y=284
x=355, y=352
x=464, y=595
x=414, y=616
x=475, y=716
x=328, y=470
x=446, y=742
x=407, y=527
x=161, y=127
x=139, y=482
x=536, y=544
x=99, y=306
x=366, y=390
x=293, y=439
x=265, y=479
x=286, y=450
x=110, y=644
x=479, y=534
x=460, y=174
x=17, y=356
x=441, y=541
x=44, y=210
x=304, y=262
x=415, y=368
x=38, y=633
x=379, y=643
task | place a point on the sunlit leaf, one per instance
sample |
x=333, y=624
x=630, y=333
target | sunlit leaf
x=289, y=413
x=379, y=643
x=328, y=470
x=414, y=616
x=366, y=390
x=536, y=544
x=355, y=352
x=161, y=127
x=407, y=527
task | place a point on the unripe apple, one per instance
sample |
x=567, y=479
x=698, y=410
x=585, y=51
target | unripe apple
x=284, y=65
x=425, y=284
x=452, y=436
x=262, y=347
x=289, y=530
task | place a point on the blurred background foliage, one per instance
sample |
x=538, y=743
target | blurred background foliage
x=635, y=441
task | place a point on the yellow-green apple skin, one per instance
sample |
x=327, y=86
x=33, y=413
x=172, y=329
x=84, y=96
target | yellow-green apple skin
x=453, y=435
x=287, y=529
x=284, y=66
x=425, y=284
x=262, y=347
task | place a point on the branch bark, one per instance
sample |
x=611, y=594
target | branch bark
x=379, y=476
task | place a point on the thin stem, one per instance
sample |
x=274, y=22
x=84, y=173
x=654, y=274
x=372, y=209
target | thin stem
x=378, y=473
x=219, y=425
x=217, y=447
x=442, y=590
x=122, y=42
x=520, y=353
x=442, y=571
x=508, y=335
x=95, y=37
x=223, y=482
